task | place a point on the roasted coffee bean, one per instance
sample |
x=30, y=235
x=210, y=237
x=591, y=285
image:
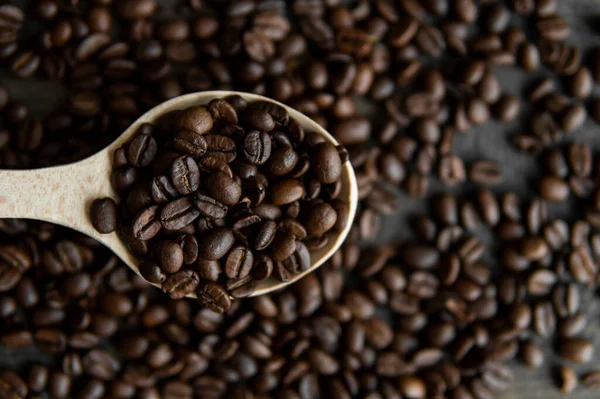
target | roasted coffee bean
x=146, y=224
x=320, y=218
x=286, y=191
x=553, y=28
x=568, y=379
x=573, y=117
x=553, y=189
x=196, y=119
x=162, y=190
x=141, y=150
x=257, y=147
x=25, y=64
x=581, y=265
x=326, y=162
x=104, y=215
x=581, y=83
x=191, y=143
x=264, y=234
x=214, y=297
x=123, y=178
x=573, y=325
x=209, y=207
x=223, y=188
x=152, y=272
x=169, y=256
x=239, y=262
x=185, y=175
x=215, y=244
x=531, y=355
x=577, y=350
x=282, y=246
x=282, y=161
x=177, y=214
x=485, y=173
x=181, y=284
x=544, y=319
x=208, y=269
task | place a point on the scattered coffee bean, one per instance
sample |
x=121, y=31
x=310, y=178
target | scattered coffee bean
x=216, y=169
x=577, y=350
x=568, y=379
x=486, y=173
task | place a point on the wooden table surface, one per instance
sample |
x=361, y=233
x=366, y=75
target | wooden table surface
x=489, y=142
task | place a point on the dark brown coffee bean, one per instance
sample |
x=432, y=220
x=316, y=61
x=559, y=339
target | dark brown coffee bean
x=209, y=207
x=180, y=284
x=25, y=64
x=582, y=266
x=50, y=341
x=286, y=191
x=579, y=158
x=430, y=40
x=215, y=244
x=141, y=150
x=591, y=379
x=488, y=206
x=178, y=214
x=282, y=246
x=185, y=175
x=544, y=319
x=541, y=282
x=152, y=272
x=412, y=387
x=577, y=350
x=320, y=218
x=553, y=189
x=162, y=190
x=190, y=143
x=214, y=297
x=264, y=235
x=416, y=185
x=485, y=173
x=452, y=170
x=196, y=119
x=573, y=117
x=169, y=256
x=326, y=162
x=223, y=188
x=568, y=379
x=353, y=130
x=553, y=28
x=282, y=161
x=239, y=262
x=257, y=147
x=581, y=83
x=420, y=256
x=208, y=269
x=146, y=224
x=572, y=325
x=104, y=215
x=59, y=385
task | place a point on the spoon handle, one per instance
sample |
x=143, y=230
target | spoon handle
x=61, y=194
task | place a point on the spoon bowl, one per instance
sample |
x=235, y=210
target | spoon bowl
x=63, y=194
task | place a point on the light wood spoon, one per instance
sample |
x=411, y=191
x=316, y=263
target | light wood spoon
x=63, y=194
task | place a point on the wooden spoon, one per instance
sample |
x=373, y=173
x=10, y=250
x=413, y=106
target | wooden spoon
x=63, y=194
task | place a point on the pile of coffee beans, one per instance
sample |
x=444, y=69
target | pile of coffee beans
x=488, y=277
x=220, y=197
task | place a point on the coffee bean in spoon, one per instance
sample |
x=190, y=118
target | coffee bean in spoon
x=224, y=196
